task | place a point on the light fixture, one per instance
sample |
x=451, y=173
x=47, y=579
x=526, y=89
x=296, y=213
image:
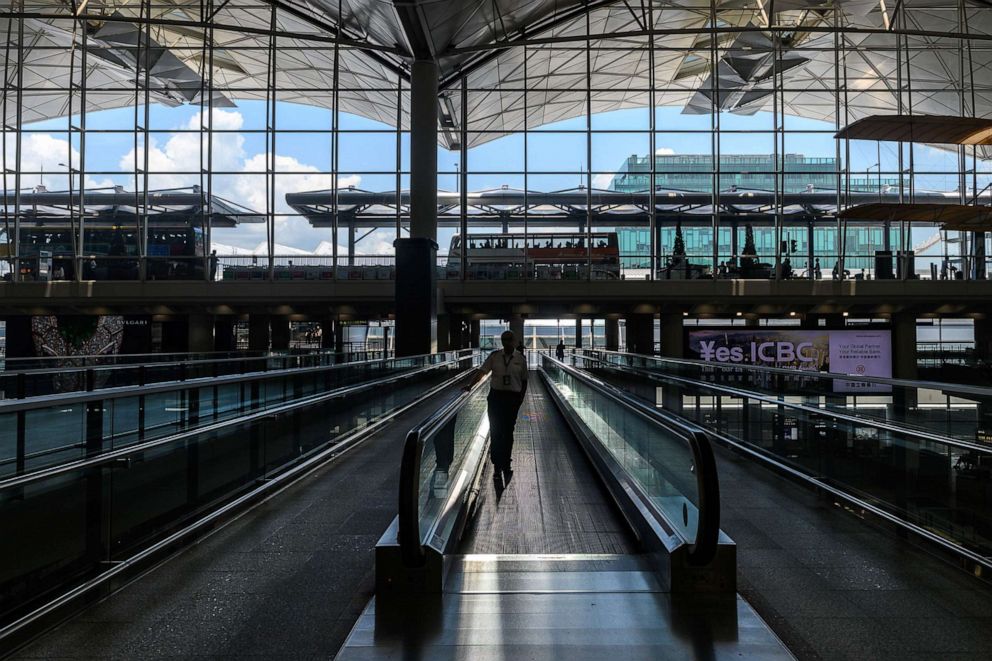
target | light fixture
x=792, y=314
x=845, y=313
x=740, y=314
x=685, y=314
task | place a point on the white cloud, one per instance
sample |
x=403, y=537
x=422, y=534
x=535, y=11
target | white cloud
x=602, y=181
x=41, y=152
x=177, y=160
x=664, y=151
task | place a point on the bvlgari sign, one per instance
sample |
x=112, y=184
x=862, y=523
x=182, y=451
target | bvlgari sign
x=854, y=352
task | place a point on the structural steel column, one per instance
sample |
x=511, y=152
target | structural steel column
x=640, y=333
x=672, y=335
x=612, y=333
x=578, y=332
x=983, y=337
x=326, y=333
x=200, y=333
x=445, y=328
x=280, y=333
x=904, y=345
x=416, y=277
x=258, y=332
x=517, y=328
x=224, y=334
x=475, y=333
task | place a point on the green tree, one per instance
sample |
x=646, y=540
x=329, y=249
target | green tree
x=678, y=250
x=749, y=248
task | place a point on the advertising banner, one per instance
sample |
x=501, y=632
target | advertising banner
x=854, y=352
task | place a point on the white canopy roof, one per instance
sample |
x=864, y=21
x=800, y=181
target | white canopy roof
x=476, y=38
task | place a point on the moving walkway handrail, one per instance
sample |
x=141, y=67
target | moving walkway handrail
x=137, y=448
x=89, y=372
x=255, y=494
x=117, y=392
x=785, y=371
x=910, y=432
x=411, y=548
x=825, y=483
x=703, y=549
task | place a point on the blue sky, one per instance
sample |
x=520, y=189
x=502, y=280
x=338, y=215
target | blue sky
x=367, y=160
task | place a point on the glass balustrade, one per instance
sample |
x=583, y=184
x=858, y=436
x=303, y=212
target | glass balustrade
x=943, y=486
x=68, y=524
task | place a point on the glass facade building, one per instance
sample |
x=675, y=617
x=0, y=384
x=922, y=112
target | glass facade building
x=695, y=172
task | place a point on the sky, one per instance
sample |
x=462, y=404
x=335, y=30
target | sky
x=556, y=159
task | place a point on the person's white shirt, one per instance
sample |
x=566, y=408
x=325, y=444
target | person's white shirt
x=509, y=371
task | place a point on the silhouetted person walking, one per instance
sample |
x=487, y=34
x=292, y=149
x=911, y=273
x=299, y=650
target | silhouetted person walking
x=506, y=393
x=560, y=350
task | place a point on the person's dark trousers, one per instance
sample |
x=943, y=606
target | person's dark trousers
x=503, y=406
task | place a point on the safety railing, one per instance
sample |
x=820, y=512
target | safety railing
x=935, y=487
x=41, y=432
x=764, y=264
x=667, y=461
x=72, y=527
x=944, y=409
x=86, y=374
x=441, y=461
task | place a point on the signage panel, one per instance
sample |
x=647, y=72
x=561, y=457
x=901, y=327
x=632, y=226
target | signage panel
x=854, y=352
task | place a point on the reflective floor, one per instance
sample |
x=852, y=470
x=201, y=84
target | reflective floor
x=573, y=607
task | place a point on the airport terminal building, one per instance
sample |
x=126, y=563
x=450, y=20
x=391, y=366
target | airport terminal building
x=254, y=253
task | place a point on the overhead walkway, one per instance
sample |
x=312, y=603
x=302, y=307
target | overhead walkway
x=606, y=542
x=798, y=490
x=86, y=514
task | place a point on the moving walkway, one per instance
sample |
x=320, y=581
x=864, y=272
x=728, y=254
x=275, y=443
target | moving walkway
x=606, y=541
x=97, y=486
x=905, y=454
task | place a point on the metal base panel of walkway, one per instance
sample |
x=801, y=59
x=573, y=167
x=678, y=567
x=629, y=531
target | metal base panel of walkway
x=575, y=607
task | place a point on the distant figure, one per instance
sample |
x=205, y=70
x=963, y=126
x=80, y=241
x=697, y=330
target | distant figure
x=817, y=273
x=213, y=264
x=836, y=273
x=506, y=393
x=560, y=350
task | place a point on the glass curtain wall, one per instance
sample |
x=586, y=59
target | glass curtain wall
x=145, y=139
x=679, y=139
x=719, y=123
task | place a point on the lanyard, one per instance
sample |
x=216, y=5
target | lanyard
x=506, y=361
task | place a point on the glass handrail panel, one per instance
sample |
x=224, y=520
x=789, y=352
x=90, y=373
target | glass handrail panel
x=57, y=433
x=942, y=487
x=56, y=535
x=943, y=410
x=444, y=451
x=657, y=458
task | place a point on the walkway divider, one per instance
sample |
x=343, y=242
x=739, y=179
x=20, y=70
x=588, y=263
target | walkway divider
x=442, y=464
x=660, y=472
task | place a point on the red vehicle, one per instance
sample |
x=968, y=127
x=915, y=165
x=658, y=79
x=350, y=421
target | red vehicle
x=553, y=256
